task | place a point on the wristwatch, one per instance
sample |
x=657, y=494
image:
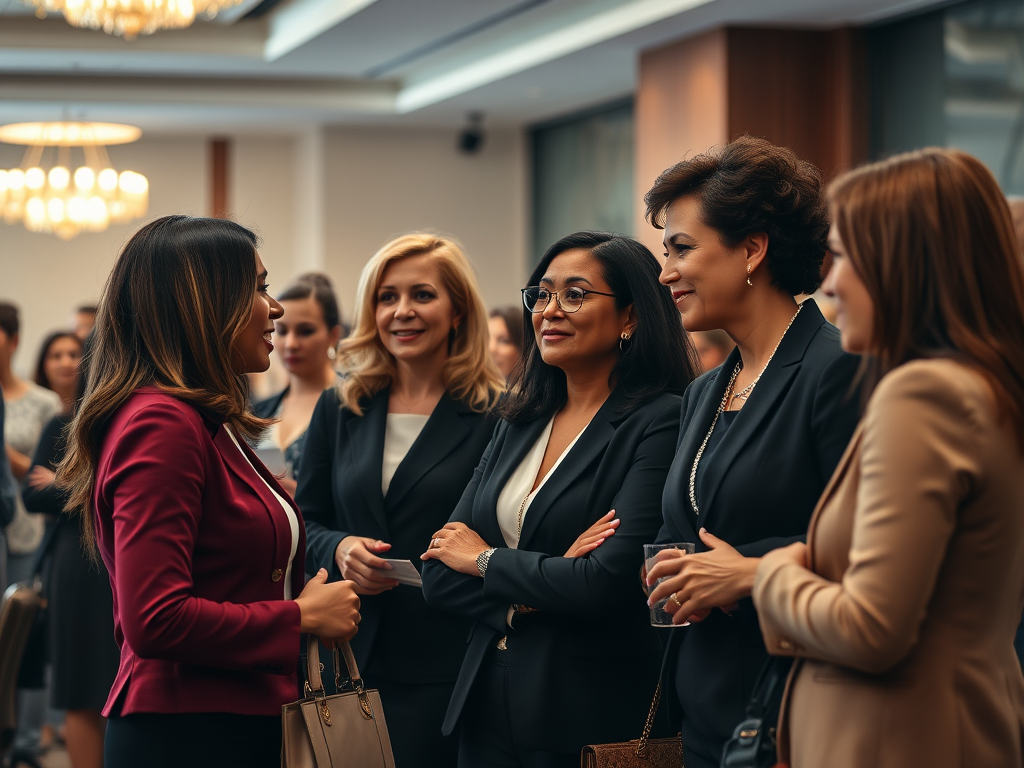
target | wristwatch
x=483, y=558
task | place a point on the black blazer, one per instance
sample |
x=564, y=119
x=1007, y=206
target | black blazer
x=757, y=492
x=592, y=655
x=339, y=494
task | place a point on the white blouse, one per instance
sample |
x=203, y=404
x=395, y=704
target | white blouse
x=293, y=521
x=400, y=433
x=517, y=491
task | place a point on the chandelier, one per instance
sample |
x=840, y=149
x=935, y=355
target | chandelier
x=63, y=200
x=130, y=18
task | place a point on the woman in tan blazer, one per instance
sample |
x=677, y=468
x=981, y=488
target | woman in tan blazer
x=901, y=608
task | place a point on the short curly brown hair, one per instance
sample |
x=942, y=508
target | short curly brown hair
x=750, y=185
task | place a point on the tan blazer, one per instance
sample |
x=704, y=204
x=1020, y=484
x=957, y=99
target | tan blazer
x=903, y=628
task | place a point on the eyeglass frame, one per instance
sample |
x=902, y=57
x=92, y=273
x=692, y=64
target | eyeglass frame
x=558, y=298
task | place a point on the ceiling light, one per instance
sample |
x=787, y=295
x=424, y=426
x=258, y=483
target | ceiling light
x=61, y=201
x=130, y=18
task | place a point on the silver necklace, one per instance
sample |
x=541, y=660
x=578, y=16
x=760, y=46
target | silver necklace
x=743, y=394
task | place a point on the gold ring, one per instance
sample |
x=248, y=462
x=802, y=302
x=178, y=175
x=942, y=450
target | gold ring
x=675, y=599
x=433, y=543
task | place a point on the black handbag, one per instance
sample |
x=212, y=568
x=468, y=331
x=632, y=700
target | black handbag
x=753, y=741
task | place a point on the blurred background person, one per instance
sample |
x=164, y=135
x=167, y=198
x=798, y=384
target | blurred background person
x=80, y=627
x=8, y=501
x=745, y=231
x=307, y=337
x=387, y=456
x=589, y=427
x=505, y=325
x=57, y=366
x=83, y=319
x=901, y=608
x=712, y=346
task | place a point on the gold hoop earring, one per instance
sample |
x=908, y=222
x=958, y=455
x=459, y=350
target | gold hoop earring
x=623, y=338
x=748, y=277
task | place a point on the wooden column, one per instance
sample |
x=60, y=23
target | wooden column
x=219, y=177
x=803, y=89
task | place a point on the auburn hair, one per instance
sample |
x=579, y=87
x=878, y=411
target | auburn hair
x=179, y=294
x=366, y=366
x=932, y=238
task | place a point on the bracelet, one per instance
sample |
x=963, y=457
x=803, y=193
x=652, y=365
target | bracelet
x=482, y=559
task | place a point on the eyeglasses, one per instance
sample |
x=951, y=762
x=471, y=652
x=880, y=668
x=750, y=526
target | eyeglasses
x=536, y=298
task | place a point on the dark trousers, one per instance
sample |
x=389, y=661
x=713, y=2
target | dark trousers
x=414, y=713
x=196, y=740
x=487, y=736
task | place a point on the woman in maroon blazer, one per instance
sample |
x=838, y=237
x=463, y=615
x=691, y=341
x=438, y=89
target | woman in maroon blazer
x=203, y=546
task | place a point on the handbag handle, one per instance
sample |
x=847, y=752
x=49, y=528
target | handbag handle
x=342, y=651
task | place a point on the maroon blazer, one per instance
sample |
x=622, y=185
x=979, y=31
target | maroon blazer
x=196, y=547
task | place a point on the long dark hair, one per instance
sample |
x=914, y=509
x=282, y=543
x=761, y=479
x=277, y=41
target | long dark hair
x=658, y=357
x=178, y=296
x=40, y=376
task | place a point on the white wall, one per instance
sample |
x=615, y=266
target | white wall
x=377, y=183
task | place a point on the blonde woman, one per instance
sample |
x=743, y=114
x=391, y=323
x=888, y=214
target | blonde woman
x=387, y=456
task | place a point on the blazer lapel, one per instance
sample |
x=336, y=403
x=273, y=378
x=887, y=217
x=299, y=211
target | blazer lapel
x=442, y=434
x=774, y=383
x=840, y=472
x=366, y=452
x=588, y=448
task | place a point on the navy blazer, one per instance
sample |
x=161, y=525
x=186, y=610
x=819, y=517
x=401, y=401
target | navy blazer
x=592, y=655
x=339, y=493
x=757, y=492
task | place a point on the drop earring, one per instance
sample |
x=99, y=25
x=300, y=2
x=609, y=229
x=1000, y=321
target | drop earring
x=623, y=338
x=748, y=277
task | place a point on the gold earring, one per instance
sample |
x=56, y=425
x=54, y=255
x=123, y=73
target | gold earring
x=624, y=337
x=748, y=277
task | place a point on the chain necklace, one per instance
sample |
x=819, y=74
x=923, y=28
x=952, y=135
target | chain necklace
x=743, y=394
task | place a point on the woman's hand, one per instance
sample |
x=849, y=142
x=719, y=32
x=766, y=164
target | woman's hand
x=594, y=536
x=457, y=546
x=329, y=611
x=39, y=477
x=357, y=560
x=714, y=579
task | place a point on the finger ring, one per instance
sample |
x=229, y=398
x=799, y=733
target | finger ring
x=433, y=543
x=675, y=599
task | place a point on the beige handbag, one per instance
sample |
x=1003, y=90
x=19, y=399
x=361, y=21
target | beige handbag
x=340, y=731
x=644, y=752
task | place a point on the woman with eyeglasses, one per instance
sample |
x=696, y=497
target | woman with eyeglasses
x=551, y=528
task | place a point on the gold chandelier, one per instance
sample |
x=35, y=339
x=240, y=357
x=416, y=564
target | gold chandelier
x=130, y=18
x=61, y=201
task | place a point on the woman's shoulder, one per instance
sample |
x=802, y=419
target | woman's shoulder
x=156, y=406
x=268, y=406
x=41, y=399
x=950, y=386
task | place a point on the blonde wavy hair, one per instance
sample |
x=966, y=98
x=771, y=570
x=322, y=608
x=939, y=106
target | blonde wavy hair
x=470, y=373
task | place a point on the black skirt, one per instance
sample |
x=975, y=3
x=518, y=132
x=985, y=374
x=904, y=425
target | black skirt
x=81, y=626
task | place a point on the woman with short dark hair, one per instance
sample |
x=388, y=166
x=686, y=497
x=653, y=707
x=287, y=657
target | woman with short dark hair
x=745, y=231
x=204, y=548
x=589, y=426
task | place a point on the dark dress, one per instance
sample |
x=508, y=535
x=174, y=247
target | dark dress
x=80, y=616
x=270, y=408
x=756, y=490
x=410, y=652
x=584, y=667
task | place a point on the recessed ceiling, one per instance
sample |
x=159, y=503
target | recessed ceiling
x=310, y=62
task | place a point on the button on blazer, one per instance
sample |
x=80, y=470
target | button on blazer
x=340, y=495
x=903, y=626
x=195, y=544
x=756, y=492
x=591, y=656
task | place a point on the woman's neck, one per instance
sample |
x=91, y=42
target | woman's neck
x=587, y=391
x=311, y=385
x=417, y=388
x=10, y=383
x=759, y=333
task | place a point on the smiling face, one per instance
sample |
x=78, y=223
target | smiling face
x=707, y=278
x=855, y=311
x=303, y=338
x=588, y=338
x=414, y=313
x=61, y=364
x=252, y=348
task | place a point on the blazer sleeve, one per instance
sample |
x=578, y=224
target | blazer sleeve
x=460, y=593
x=579, y=586
x=314, y=494
x=49, y=500
x=917, y=464
x=153, y=482
x=835, y=411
